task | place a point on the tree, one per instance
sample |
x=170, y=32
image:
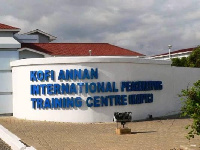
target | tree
x=180, y=62
x=184, y=62
x=191, y=108
x=193, y=60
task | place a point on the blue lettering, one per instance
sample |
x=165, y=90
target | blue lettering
x=150, y=98
x=114, y=88
x=96, y=101
x=39, y=103
x=47, y=75
x=104, y=101
x=108, y=87
x=69, y=74
x=78, y=102
x=80, y=87
x=40, y=75
x=61, y=75
x=89, y=104
x=32, y=76
x=43, y=86
x=70, y=102
x=86, y=87
x=50, y=89
x=117, y=100
x=111, y=97
x=57, y=102
x=47, y=103
x=52, y=75
x=35, y=89
x=123, y=86
x=73, y=88
x=57, y=89
x=65, y=88
x=64, y=102
x=124, y=99
x=92, y=87
x=77, y=74
x=94, y=73
x=33, y=102
x=86, y=74
x=100, y=87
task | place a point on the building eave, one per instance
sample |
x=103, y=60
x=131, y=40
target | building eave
x=10, y=30
x=35, y=51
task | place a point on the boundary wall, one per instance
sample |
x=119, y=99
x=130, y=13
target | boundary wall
x=117, y=70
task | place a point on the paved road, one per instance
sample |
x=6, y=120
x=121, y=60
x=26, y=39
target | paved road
x=155, y=135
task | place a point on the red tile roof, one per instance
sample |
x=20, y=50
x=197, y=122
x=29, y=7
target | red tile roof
x=178, y=51
x=80, y=49
x=4, y=26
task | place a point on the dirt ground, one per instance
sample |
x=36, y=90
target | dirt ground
x=151, y=135
x=4, y=146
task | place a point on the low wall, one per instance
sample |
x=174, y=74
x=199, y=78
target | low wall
x=91, y=89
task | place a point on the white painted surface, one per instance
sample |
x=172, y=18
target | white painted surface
x=28, y=54
x=6, y=80
x=9, y=42
x=111, y=69
x=25, y=53
x=6, y=103
x=6, y=57
x=175, y=55
x=8, y=53
x=87, y=59
x=12, y=140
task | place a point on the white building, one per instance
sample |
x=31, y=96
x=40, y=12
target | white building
x=84, y=82
x=175, y=54
x=8, y=52
x=36, y=44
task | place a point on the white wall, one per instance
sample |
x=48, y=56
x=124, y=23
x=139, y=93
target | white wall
x=7, y=40
x=113, y=69
x=6, y=80
x=8, y=53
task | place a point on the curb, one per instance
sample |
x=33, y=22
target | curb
x=12, y=140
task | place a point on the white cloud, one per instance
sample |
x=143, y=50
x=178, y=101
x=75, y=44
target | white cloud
x=16, y=22
x=145, y=26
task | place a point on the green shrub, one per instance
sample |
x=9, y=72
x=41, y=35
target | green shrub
x=191, y=108
x=193, y=60
x=180, y=62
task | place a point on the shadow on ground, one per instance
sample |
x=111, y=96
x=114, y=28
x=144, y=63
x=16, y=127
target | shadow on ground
x=143, y=132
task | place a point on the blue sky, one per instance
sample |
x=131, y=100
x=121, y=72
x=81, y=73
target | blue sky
x=145, y=26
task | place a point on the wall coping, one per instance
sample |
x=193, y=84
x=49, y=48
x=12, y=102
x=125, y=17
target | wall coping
x=86, y=59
